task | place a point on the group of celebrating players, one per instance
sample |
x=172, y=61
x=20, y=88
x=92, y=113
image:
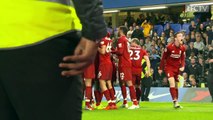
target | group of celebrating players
x=129, y=69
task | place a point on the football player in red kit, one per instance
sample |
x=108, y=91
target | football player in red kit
x=173, y=62
x=136, y=55
x=89, y=74
x=125, y=68
x=105, y=71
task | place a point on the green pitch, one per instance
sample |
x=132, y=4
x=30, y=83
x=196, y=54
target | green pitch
x=154, y=111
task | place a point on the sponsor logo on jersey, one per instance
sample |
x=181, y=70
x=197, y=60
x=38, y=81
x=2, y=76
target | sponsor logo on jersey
x=120, y=45
x=175, y=55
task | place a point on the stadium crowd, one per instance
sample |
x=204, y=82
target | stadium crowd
x=198, y=41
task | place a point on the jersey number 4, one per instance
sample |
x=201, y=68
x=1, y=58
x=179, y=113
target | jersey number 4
x=134, y=55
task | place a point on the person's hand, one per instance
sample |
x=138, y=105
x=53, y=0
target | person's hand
x=160, y=71
x=148, y=73
x=83, y=56
x=182, y=69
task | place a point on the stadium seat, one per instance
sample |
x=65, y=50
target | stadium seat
x=158, y=29
x=186, y=27
x=175, y=27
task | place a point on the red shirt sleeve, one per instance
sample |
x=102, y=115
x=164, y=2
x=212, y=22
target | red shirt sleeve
x=163, y=59
x=143, y=53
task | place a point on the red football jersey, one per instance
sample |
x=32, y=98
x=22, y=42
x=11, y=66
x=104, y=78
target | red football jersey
x=123, y=52
x=105, y=59
x=173, y=57
x=136, y=56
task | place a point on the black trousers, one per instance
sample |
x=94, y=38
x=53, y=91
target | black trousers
x=145, y=88
x=210, y=83
x=31, y=85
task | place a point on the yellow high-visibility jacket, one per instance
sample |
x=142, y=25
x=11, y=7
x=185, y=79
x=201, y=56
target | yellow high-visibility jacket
x=28, y=22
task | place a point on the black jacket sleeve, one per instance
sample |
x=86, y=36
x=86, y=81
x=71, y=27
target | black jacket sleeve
x=90, y=13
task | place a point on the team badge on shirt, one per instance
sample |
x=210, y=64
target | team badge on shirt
x=120, y=45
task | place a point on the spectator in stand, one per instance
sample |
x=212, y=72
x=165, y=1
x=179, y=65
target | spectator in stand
x=193, y=82
x=192, y=36
x=164, y=82
x=186, y=80
x=193, y=68
x=170, y=39
x=187, y=40
x=210, y=36
x=191, y=49
x=148, y=44
x=129, y=33
x=146, y=25
x=201, y=28
x=140, y=20
x=192, y=27
x=138, y=33
x=201, y=65
x=168, y=30
x=208, y=22
x=192, y=56
x=134, y=25
x=163, y=36
x=199, y=44
x=155, y=36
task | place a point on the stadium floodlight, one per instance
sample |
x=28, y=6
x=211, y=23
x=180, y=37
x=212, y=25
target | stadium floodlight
x=207, y=3
x=153, y=8
x=111, y=11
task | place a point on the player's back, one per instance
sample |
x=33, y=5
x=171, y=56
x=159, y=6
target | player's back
x=136, y=56
x=174, y=55
x=124, y=58
x=105, y=58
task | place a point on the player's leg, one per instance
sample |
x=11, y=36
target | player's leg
x=123, y=87
x=132, y=95
x=173, y=90
x=106, y=93
x=138, y=87
x=176, y=104
x=147, y=88
x=88, y=93
x=98, y=95
x=112, y=94
x=142, y=88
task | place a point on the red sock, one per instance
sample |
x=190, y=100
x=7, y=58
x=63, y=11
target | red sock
x=138, y=93
x=101, y=96
x=123, y=90
x=88, y=95
x=133, y=95
x=176, y=93
x=173, y=93
x=97, y=97
x=112, y=94
x=107, y=96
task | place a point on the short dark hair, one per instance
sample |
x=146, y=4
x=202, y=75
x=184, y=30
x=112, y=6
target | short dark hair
x=123, y=29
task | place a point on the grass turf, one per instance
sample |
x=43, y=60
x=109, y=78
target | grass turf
x=154, y=111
